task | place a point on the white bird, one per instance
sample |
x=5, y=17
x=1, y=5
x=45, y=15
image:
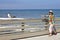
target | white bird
x=9, y=16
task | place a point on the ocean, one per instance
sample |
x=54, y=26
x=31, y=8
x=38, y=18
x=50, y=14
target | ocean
x=28, y=13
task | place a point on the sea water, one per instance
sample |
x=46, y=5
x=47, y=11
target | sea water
x=28, y=13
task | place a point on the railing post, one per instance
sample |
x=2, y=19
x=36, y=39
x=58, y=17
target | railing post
x=22, y=25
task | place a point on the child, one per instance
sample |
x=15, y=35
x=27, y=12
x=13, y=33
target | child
x=52, y=29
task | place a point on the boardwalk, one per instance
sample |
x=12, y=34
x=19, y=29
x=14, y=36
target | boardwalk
x=23, y=35
x=46, y=37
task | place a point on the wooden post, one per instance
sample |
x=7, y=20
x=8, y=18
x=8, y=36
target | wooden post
x=23, y=24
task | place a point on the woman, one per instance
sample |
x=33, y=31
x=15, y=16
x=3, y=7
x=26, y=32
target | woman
x=52, y=29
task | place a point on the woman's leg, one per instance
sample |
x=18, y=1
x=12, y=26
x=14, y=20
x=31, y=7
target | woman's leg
x=50, y=29
x=54, y=30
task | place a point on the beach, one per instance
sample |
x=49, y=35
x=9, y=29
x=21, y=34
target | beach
x=10, y=28
x=29, y=19
x=10, y=32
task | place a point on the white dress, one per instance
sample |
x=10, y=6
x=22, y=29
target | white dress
x=51, y=27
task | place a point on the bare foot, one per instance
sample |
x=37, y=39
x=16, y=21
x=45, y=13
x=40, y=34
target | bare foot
x=50, y=34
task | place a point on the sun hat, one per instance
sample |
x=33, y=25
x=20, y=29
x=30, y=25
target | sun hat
x=50, y=11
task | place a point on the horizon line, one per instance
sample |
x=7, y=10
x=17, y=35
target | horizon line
x=10, y=9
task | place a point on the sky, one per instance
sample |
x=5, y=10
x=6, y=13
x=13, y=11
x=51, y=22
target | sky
x=29, y=4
